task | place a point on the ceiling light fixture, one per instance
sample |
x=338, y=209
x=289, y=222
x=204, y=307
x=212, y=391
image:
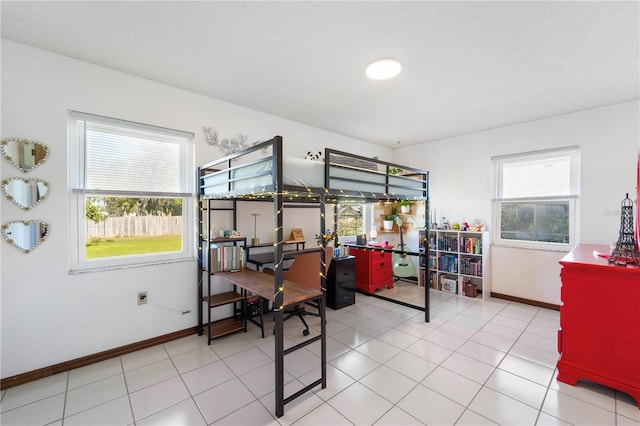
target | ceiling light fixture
x=383, y=69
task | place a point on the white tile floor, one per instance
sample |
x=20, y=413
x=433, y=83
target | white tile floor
x=475, y=363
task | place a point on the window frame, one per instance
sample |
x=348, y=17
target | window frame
x=572, y=198
x=78, y=194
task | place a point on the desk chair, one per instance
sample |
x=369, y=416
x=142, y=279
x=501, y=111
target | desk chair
x=305, y=270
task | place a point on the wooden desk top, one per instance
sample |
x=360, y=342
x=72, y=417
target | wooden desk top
x=262, y=284
x=262, y=259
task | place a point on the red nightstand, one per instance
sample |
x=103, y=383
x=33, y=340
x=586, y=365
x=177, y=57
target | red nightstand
x=373, y=268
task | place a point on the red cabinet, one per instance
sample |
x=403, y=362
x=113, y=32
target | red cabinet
x=599, y=336
x=373, y=269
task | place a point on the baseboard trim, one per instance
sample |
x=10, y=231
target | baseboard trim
x=41, y=373
x=526, y=301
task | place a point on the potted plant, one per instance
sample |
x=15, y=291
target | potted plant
x=387, y=223
x=405, y=206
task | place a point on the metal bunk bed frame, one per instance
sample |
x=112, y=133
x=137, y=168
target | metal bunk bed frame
x=412, y=181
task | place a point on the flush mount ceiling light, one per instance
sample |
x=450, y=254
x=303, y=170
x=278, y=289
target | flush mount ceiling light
x=383, y=69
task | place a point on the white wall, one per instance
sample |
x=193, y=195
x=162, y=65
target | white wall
x=50, y=316
x=460, y=173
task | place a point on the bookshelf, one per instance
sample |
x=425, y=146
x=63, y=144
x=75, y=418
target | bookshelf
x=457, y=258
x=221, y=255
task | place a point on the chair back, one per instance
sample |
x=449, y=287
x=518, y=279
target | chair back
x=305, y=268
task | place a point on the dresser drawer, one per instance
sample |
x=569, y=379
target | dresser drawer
x=346, y=274
x=378, y=265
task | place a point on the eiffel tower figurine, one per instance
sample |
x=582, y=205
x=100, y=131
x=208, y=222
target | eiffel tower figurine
x=626, y=251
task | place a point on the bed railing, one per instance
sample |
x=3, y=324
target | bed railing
x=250, y=171
x=253, y=172
x=347, y=174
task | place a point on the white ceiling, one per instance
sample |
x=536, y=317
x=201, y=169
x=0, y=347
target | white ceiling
x=467, y=66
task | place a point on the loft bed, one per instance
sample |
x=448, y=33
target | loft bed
x=257, y=171
x=262, y=173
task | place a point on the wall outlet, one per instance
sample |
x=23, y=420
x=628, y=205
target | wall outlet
x=142, y=298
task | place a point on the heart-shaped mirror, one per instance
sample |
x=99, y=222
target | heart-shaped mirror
x=25, y=235
x=24, y=154
x=25, y=193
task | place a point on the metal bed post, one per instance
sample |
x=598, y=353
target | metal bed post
x=201, y=251
x=322, y=301
x=278, y=275
x=425, y=271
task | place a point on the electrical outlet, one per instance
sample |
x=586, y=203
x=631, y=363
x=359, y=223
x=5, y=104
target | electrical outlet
x=142, y=298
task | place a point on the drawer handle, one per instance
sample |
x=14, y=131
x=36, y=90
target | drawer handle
x=381, y=263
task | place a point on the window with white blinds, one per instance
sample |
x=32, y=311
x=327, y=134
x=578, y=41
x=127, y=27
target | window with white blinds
x=535, y=198
x=131, y=185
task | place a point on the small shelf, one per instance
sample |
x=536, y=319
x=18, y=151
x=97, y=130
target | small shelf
x=214, y=253
x=225, y=326
x=222, y=298
x=227, y=239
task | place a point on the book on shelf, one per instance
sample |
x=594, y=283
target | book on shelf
x=471, y=245
x=470, y=266
x=226, y=258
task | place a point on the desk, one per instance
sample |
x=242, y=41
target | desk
x=262, y=259
x=263, y=285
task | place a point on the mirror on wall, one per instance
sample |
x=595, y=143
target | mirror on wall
x=25, y=193
x=25, y=235
x=26, y=155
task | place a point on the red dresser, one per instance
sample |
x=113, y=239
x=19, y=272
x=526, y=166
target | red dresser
x=599, y=336
x=373, y=269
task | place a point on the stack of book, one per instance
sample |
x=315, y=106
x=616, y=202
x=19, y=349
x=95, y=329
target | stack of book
x=448, y=242
x=225, y=258
x=471, y=267
x=448, y=263
x=471, y=245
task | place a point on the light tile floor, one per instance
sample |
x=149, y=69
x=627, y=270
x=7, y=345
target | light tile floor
x=475, y=363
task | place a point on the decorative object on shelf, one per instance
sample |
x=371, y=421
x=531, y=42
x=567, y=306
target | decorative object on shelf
x=373, y=233
x=405, y=206
x=394, y=171
x=296, y=234
x=638, y=204
x=25, y=154
x=389, y=220
x=228, y=146
x=25, y=193
x=626, y=251
x=255, y=240
x=25, y=235
x=325, y=239
x=311, y=156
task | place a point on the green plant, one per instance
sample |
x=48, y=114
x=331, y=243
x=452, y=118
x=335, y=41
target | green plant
x=405, y=203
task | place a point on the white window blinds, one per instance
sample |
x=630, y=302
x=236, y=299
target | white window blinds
x=538, y=175
x=123, y=157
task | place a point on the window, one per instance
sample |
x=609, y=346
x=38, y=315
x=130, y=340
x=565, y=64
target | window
x=536, y=198
x=350, y=220
x=131, y=191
